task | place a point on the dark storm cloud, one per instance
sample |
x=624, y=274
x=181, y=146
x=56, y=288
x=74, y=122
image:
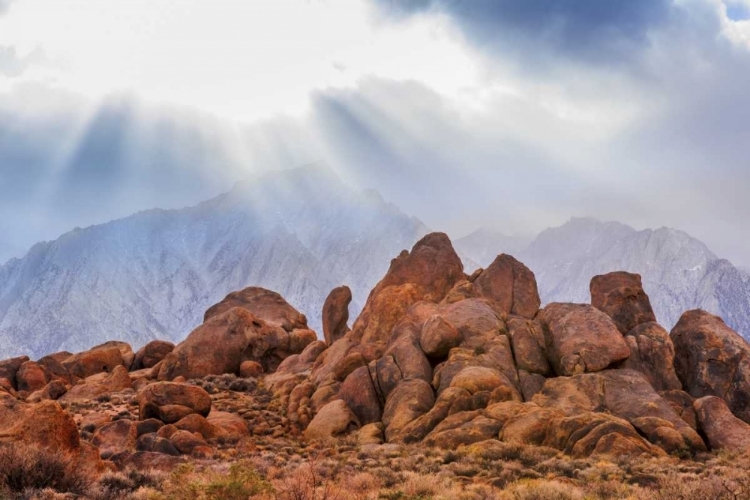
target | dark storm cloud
x=540, y=30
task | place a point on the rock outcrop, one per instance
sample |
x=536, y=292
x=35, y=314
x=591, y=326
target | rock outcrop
x=336, y=314
x=723, y=430
x=170, y=402
x=711, y=359
x=620, y=295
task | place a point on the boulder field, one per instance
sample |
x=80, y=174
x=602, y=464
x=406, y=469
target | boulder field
x=436, y=356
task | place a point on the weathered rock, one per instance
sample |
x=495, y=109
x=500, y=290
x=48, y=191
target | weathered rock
x=438, y=337
x=711, y=359
x=186, y=442
x=370, y=434
x=652, y=354
x=252, y=369
x=225, y=340
x=54, y=390
x=152, y=353
x=148, y=426
x=31, y=377
x=510, y=287
x=580, y=338
x=98, y=385
x=722, y=429
x=475, y=379
x=336, y=314
x=154, y=444
x=144, y=460
x=196, y=423
x=463, y=429
x=228, y=426
x=44, y=423
x=527, y=338
x=9, y=368
x=160, y=399
x=126, y=352
x=266, y=305
x=428, y=272
x=334, y=419
x=620, y=295
x=358, y=391
x=531, y=384
x=682, y=404
x=625, y=394
x=115, y=437
x=55, y=369
x=409, y=400
x=95, y=360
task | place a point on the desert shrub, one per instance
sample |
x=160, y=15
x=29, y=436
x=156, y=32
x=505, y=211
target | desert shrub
x=240, y=482
x=117, y=485
x=541, y=490
x=28, y=467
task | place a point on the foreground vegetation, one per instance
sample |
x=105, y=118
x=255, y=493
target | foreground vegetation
x=289, y=470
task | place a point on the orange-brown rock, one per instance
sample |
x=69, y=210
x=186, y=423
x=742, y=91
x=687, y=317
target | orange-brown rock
x=438, y=337
x=332, y=420
x=682, y=404
x=186, y=442
x=155, y=444
x=31, y=377
x=226, y=339
x=228, y=426
x=358, y=391
x=723, y=430
x=428, y=272
x=529, y=351
x=620, y=295
x=409, y=400
x=150, y=354
x=52, y=364
x=96, y=360
x=9, y=368
x=336, y=314
x=268, y=306
x=115, y=437
x=44, y=423
x=196, y=423
x=98, y=385
x=580, y=338
x=252, y=368
x=510, y=287
x=54, y=390
x=711, y=359
x=170, y=402
x=625, y=394
x=652, y=354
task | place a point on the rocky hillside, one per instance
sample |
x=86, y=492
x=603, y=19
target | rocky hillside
x=679, y=272
x=470, y=365
x=151, y=275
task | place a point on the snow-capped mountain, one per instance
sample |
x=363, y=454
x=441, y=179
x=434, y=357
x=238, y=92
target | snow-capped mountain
x=152, y=275
x=679, y=272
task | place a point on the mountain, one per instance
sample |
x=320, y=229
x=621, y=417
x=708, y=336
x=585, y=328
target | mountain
x=482, y=246
x=679, y=272
x=152, y=275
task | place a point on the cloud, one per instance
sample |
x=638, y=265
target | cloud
x=538, y=31
x=4, y=5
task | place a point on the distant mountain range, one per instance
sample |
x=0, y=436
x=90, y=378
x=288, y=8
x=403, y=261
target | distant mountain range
x=679, y=272
x=303, y=232
x=152, y=275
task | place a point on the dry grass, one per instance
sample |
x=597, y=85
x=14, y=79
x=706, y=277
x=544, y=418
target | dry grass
x=25, y=469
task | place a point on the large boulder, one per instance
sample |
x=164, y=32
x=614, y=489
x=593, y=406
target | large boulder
x=266, y=305
x=336, y=314
x=98, y=359
x=44, y=423
x=225, y=340
x=9, y=368
x=333, y=420
x=620, y=295
x=150, y=354
x=625, y=394
x=31, y=376
x=358, y=391
x=170, y=402
x=580, y=338
x=652, y=354
x=115, y=437
x=99, y=385
x=428, y=272
x=529, y=351
x=722, y=429
x=711, y=359
x=510, y=287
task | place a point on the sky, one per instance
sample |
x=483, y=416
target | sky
x=514, y=115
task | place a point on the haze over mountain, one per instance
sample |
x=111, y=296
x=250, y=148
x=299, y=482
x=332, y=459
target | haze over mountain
x=303, y=232
x=152, y=275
